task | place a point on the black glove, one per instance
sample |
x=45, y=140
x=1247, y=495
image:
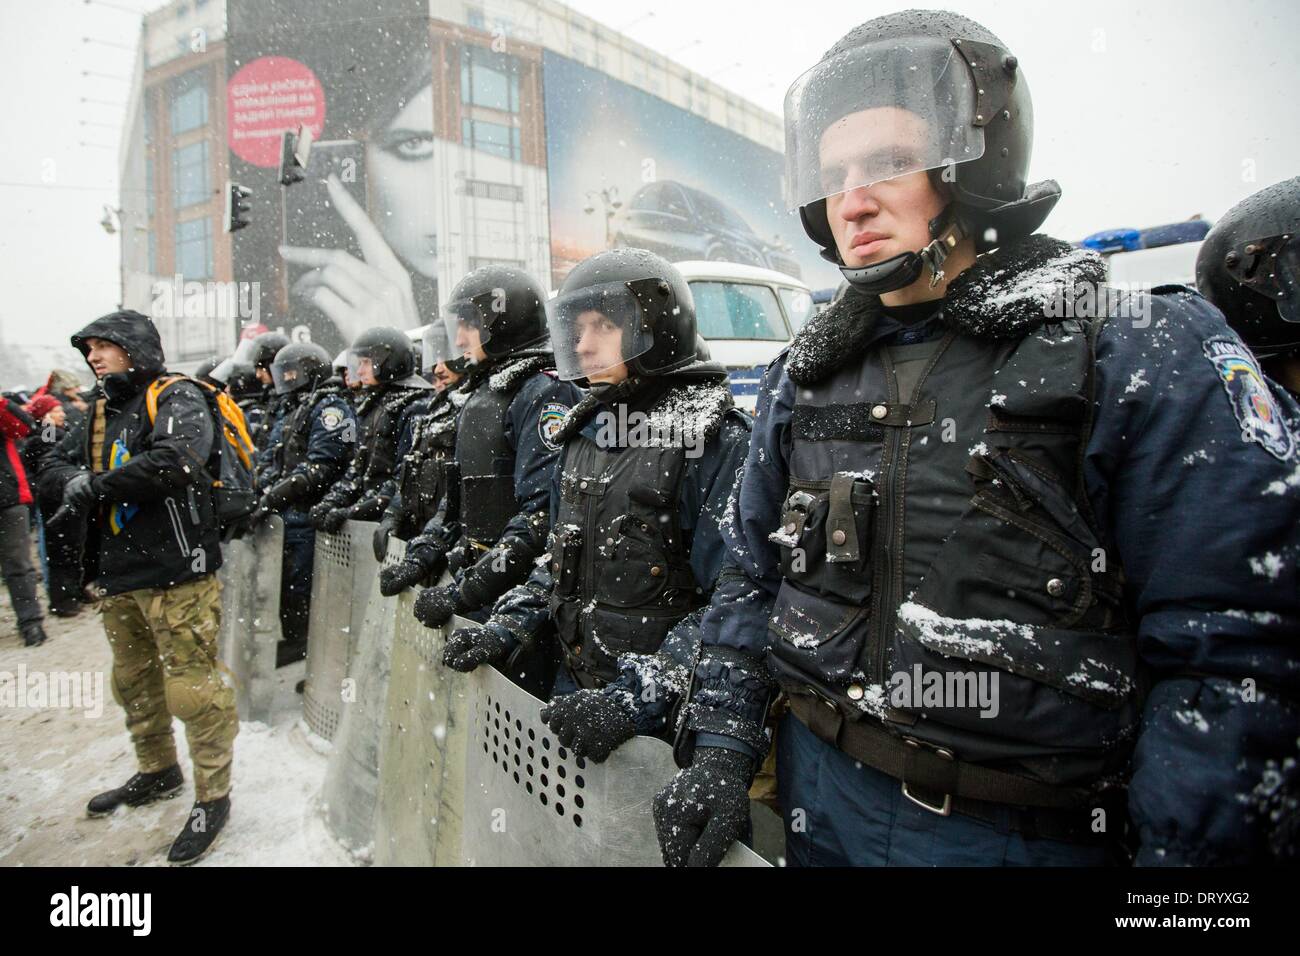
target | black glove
x=78, y=495
x=591, y=723
x=421, y=560
x=334, y=519
x=318, y=513
x=380, y=542
x=704, y=809
x=435, y=606
x=282, y=493
x=468, y=647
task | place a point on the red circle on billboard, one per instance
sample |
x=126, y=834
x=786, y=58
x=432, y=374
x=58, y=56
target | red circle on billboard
x=266, y=97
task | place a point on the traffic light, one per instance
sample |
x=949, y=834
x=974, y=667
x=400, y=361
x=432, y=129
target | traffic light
x=295, y=147
x=236, y=206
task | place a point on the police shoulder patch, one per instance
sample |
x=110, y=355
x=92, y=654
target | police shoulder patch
x=548, y=423
x=331, y=418
x=1252, y=402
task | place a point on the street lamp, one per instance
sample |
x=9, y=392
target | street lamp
x=609, y=201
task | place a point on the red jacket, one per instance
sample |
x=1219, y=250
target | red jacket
x=14, y=424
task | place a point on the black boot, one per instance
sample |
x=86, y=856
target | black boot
x=33, y=634
x=141, y=789
x=65, y=591
x=200, y=831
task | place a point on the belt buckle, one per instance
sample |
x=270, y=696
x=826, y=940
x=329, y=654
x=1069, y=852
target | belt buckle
x=945, y=808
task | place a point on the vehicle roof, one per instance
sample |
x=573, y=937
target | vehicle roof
x=701, y=269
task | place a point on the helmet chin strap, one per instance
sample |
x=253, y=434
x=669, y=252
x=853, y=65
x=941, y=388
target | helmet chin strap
x=946, y=231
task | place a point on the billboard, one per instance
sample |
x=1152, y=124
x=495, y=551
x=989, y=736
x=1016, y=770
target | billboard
x=626, y=168
x=356, y=243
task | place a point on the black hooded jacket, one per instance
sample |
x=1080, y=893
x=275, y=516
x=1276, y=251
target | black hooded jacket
x=153, y=526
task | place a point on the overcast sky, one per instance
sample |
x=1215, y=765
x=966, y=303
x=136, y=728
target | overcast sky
x=1143, y=114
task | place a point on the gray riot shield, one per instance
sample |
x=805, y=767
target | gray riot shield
x=250, y=615
x=352, y=778
x=530, y=802
x=422, y=752
x=343, y=569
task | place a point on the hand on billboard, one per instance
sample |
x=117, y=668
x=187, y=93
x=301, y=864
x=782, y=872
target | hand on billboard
x=355, y=293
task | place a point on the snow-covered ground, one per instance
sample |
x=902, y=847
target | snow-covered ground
x=54, y=759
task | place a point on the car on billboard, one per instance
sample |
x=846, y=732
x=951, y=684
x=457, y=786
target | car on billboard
x=682, y=223
x=747, y=315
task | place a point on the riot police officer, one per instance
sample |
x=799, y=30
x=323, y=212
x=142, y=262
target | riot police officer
x=383, y=361
x=425, y=448
x=505, y=448
x=650, y=456
x=312, y=443
x=1249, y=266
x=981, y=543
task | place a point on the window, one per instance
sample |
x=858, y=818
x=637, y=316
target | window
x=736, y=310
x=148, y=185
x=798, y=306
x=672, y=201
x=716, y=214
x=190, y=183
x=476, y=262
x=492, y=138
x=189, y=96
x=481, y=189
x=489, y=79
x=194, y=248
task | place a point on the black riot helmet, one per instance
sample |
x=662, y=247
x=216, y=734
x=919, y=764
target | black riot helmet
x=204, y=372
x=918, y=90
x=502, y=307
x=299, y=365
x=623, y=306
x=1249, y=266
x=266, y=347
x=391, y=355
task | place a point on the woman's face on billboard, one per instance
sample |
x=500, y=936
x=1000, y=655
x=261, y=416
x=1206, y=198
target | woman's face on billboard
x=400, y=163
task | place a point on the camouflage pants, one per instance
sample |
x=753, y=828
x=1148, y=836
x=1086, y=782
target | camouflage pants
x=164, y=644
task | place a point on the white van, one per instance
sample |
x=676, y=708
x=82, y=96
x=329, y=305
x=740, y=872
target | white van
x=747, y=315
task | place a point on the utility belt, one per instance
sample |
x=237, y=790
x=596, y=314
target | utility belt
x=935, y=779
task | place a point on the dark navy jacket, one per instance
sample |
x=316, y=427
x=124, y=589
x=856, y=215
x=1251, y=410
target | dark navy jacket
x=1206, y=524
x=332, y=441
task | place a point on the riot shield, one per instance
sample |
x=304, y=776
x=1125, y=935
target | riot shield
x=250, y=615
x=352, y=778
x=422, y=751
x=530, y=802
x=343, y=570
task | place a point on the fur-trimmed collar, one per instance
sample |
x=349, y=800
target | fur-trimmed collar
x=690, y=412
x=506, y=376
x=1005, y=295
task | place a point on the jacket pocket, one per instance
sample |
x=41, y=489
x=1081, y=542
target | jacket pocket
x=816, y=637
x=637, y=571
x=825, y=536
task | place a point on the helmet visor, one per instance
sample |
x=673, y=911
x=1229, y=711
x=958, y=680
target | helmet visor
x=360, y=361
x=876, y=112
x=233, y=365
x=287, y=376
x=434, y=346
x=599, y=327
x=467, y=323
x=1286, y=280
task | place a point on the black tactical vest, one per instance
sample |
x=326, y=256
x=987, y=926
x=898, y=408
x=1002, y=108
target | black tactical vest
x=424, y=469
x=621, y=569
x=486, y=463
x=966, y=508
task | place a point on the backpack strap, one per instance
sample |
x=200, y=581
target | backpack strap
x=233, y=423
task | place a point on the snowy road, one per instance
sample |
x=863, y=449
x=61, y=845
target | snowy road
x=53, y=759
